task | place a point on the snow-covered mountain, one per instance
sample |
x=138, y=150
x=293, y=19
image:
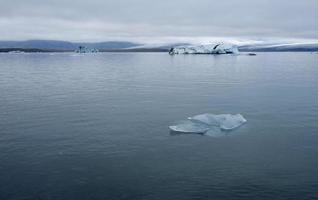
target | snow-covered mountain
x=280, y=47
x=64, y=45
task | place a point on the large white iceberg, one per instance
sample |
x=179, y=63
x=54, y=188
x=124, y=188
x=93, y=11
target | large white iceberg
x=220, y=48
x=209, y=124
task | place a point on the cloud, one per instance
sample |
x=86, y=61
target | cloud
x=98, y=20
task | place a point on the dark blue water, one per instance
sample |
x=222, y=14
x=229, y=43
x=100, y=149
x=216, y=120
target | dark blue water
x=96, y=126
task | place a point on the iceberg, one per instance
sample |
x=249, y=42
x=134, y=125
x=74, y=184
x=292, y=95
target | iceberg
x=209, y=124
x=220, y=48
x=83, y=49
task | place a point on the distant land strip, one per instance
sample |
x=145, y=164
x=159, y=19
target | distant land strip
x=141, y=50
x=35, y=50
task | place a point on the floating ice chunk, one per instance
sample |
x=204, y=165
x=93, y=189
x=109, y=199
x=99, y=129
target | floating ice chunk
x=209, y=124
x=218, y=48
x=215, y=132
x=232, y=122
x=210, y=119
x=224, y=121
x=190, y=127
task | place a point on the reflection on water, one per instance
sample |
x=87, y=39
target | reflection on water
x=96, y=126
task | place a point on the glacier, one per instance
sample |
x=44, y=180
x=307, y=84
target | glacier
x=218, y=48
x=209, y=124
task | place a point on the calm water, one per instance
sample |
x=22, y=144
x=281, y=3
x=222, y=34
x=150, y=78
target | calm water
x=96, y=126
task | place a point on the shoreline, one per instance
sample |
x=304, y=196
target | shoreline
x=142, y=50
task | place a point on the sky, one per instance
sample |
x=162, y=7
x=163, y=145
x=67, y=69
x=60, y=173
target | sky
x=162, y=20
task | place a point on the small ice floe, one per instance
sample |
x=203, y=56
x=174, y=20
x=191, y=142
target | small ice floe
x=209, y=124
x=83, y=49
x=251, y=54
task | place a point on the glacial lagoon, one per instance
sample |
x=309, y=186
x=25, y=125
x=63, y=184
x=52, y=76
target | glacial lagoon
x=95, y=126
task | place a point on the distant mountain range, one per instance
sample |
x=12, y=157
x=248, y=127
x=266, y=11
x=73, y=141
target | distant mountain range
x=280, y=47
x=123, y=46
x=64, y=45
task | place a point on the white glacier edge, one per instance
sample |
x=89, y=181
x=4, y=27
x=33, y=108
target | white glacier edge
x=217, y=48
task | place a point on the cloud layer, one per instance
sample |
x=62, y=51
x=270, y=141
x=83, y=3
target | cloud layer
x=98, y=20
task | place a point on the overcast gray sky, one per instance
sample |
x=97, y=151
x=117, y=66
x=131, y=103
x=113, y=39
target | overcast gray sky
x=99, y=20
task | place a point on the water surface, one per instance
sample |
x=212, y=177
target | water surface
x=96, y=126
